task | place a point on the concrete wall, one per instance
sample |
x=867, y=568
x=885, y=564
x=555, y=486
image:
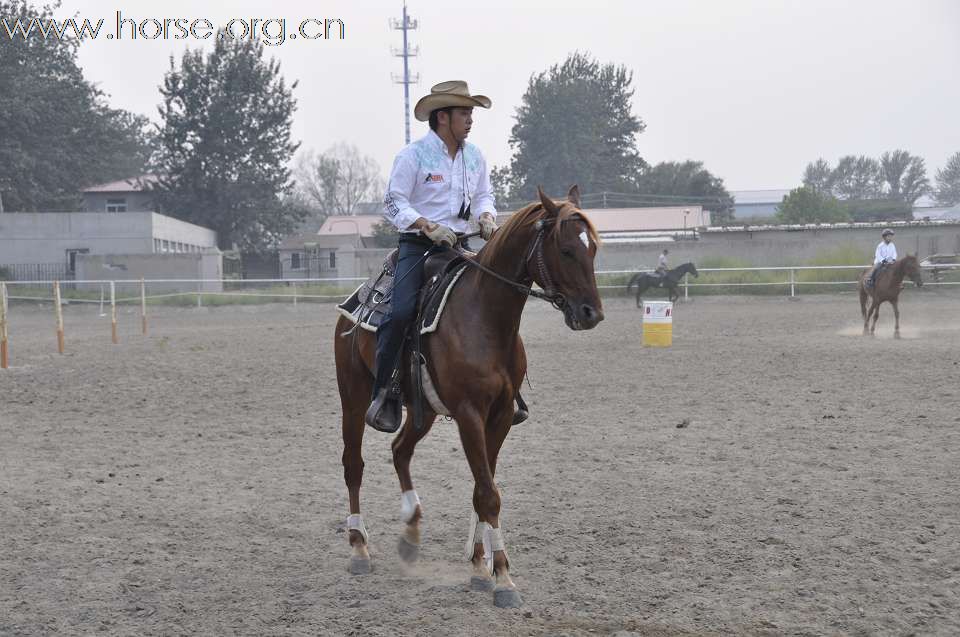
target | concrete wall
x=96, y=267
x=44, y=237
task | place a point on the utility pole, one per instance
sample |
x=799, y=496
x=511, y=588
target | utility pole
x=407, y=52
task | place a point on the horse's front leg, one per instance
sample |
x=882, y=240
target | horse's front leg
x=477, y=441
x=896, y=318
x=411, y=512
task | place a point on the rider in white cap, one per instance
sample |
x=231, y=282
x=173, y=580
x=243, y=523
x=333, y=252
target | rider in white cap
x=886, y=253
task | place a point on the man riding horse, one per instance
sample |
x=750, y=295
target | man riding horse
x=434, y=185
x=885, y=255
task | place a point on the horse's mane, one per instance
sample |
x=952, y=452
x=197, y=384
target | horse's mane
x=525, y=218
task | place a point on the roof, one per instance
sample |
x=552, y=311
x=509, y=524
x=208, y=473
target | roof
x=350, y=225
x=308, y=241
x=666, y=218
x=837, y=226
x=743, y=197
x=131, y=184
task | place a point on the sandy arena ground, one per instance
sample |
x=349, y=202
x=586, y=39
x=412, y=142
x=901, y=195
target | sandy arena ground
x=189, y=482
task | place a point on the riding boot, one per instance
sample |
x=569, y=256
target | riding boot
x=385, y=410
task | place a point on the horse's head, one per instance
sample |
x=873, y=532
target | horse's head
x=692, y=269
x=563, y=263
x=911, y=269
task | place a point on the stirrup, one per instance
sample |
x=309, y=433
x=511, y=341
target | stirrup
x=384, y=413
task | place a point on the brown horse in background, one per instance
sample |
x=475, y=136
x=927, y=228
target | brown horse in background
x=886, y=287
x=477, y=362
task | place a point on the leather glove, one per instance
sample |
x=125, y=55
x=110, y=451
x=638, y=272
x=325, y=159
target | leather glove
x=487, y=226
x=441, y=235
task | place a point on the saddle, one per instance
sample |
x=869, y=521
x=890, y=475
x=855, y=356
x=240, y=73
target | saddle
x=369, y=305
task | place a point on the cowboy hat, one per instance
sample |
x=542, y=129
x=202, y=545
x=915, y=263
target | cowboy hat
x=452, y=93
x=885, y=232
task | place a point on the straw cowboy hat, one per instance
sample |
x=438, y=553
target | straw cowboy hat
x=452, y=93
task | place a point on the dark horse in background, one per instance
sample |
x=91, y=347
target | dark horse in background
x=886, y=287
x=477, y=361
x=644, y=281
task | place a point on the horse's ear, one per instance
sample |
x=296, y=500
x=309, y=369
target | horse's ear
x=551, y=208
x=573, y=195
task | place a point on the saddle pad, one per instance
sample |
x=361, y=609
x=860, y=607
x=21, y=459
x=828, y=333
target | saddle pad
x=369, y=304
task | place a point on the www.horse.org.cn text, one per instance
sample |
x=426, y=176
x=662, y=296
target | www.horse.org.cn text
x=269, y=31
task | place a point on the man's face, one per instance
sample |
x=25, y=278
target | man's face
x=460, y=122
x=887, y=238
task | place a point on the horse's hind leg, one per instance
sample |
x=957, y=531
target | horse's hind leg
x=863, y=307
x=896, y=318
x=355, y=384
x=410, y=509
x=875, y=310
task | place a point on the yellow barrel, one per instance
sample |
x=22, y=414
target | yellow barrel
x=657, y=324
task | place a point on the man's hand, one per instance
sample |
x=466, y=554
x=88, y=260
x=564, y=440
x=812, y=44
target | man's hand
x=440, y=235
x=488, y=225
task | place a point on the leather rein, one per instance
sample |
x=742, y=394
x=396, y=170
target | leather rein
x=549, y=294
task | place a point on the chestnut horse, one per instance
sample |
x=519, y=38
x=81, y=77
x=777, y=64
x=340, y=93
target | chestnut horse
x=477, y=363
x=886, y=287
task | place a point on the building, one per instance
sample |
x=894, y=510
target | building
x=756, y=204
x=125, y=195
x=312, y=255
x=57, y=238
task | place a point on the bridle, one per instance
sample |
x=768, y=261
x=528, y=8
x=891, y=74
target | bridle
x=535, y=252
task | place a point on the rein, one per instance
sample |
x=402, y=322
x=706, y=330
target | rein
x=555, y=299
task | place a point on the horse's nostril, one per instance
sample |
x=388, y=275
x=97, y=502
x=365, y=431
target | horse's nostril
x=588, y=312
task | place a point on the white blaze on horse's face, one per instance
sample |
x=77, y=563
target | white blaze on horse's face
x=585, y=239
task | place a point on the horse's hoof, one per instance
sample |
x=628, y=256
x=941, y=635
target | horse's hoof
x=409, y=552
x=481, y=583
x=359, y=566
x=507, y=598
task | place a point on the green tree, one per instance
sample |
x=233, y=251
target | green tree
x=819, y=176
x=806, y=205
x=339, y=179
x=678, y=183
x=574, y=125
x=59, y=134
x=948, y=182
x=905, y=176
x=857, y=178
x=385, y=234
x=225, y=144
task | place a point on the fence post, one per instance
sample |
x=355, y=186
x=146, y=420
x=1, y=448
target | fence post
x=58, y=311
x=3, y=326
x=686, y=286
x=294, y=284
x=793, y=280
x=143, y=306
x=199, y=298
x=113, y=313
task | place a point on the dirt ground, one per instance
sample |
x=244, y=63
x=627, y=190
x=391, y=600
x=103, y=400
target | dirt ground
x=189, y=482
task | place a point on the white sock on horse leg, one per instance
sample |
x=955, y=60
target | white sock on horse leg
x=409, y=500
x=492, y=541
x=474, y=535
x=355, y=523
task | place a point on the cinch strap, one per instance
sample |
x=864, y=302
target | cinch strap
x=408, y=505
x=355, y=523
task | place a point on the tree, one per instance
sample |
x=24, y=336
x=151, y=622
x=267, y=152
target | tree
x=385, y=234
x=225, y=144
x=905, y=176
x=806, y=205
x=819, y=176
x=59, y=135
x=575, y=125
x=688, y=182
x=338, y=179
x=948, y=182
x=857, y=178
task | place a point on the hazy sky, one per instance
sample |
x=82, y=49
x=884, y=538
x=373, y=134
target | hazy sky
x=755, y=89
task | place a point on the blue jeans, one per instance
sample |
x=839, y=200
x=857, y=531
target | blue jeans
x=403, y=308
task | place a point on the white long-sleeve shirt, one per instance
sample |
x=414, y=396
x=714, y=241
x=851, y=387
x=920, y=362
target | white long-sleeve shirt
x=426, y=182
x=885, y=252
